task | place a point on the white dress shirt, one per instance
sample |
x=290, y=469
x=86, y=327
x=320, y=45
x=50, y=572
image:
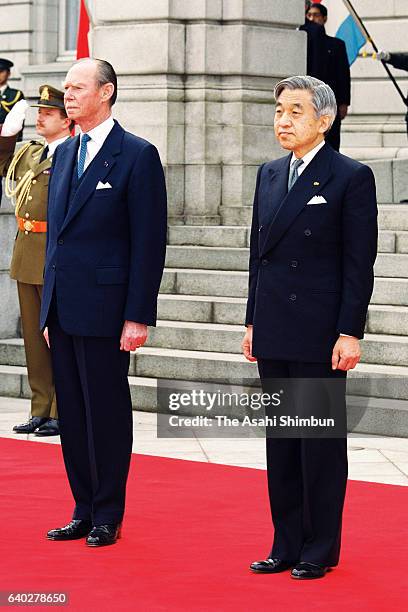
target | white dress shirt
x=98, y=136
x=308, y=157
x=54, y=144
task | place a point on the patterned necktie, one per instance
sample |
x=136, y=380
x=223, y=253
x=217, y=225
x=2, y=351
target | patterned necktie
x=293, y=173
x=82, y=154
x=44, y=154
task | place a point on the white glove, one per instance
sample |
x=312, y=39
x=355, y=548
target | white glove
x=383, y=56
x=13, y=124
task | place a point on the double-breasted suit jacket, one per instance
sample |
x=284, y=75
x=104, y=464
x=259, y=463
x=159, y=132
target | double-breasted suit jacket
x=106, y=247
x=311, y=264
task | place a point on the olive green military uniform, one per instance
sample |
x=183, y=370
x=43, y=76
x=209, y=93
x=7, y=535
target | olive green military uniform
x=27, y=264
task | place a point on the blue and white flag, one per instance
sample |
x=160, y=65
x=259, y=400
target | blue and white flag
x=343, y=22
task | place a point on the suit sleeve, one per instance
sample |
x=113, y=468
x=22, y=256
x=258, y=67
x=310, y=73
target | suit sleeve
x=147, y=208
x=399, y=60
x=253, y=255
x=343, y=74
x=359, y=252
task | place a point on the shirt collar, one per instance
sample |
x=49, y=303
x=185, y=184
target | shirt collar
x=99, y=133
x=309, y=156
x=3, y=88
x=54, y=144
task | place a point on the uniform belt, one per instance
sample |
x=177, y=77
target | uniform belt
x=27, y=225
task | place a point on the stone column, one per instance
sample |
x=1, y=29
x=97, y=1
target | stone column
x=196, y=78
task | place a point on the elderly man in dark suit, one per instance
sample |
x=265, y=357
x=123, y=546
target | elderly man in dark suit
x=312, y=252
x=106, y=244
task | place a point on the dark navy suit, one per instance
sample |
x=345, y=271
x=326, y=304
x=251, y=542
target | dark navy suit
x=104, y=263
x=310, y=279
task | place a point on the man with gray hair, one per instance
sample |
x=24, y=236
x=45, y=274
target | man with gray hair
x=312, y=252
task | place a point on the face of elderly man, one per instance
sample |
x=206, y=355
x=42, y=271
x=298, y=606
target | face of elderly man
x=84, y=98
x=296, y=124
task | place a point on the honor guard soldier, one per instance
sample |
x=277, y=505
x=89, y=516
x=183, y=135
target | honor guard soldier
x=27, y=176
x=8, y=97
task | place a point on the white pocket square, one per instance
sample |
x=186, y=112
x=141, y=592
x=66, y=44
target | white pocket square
x=317, y=199
x=103, y=185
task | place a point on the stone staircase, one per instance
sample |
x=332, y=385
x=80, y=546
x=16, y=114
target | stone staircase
x=201, y=314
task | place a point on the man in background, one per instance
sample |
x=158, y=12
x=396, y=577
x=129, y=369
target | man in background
x=337, y=72
x=8, y=97
x=316, y=57
x=28, y=173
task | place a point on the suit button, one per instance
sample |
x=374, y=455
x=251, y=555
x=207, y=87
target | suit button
x=292, y=297
x=264, y=262
x=54, y=266
x=27, y=216
x=307, y=232
x=294, y=263
x=60, y=241
x=30, y=198
x=260, y=228
x=34, y=181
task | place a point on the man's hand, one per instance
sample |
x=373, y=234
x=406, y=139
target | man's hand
x=45, y=334
x=247, y=344
x=134, y=335
x=13, y=123
x=346, y=353
x=343, y=108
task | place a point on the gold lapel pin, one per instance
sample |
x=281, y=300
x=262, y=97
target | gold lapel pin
x=316, y=183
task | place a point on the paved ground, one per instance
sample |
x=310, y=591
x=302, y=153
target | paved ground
x=372, y=459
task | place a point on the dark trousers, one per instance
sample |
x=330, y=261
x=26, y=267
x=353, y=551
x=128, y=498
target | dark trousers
x=333, y=137
x=307, y=479
x=95, y=415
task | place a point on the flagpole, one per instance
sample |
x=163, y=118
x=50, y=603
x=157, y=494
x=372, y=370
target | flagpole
x=367, y=35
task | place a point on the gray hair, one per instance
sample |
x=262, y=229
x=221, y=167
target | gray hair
x=323, y=98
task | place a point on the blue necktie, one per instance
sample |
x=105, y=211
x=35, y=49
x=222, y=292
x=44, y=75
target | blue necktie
x=82, y=154
x=293, y=173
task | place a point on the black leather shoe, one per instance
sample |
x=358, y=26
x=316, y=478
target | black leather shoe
x=31, y=425
x=104, y=535
x=75, y=530
x=270, y=566
x=308, y=571
x=49, y=428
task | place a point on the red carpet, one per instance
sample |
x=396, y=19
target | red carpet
x=190, y=531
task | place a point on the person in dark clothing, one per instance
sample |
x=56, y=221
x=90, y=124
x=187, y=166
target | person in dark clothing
x=338, y=71
x=316, y=64
x=8, y=98
x=399, y=61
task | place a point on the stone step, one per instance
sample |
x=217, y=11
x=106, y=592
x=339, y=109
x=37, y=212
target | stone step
x=202, y=309
x=393, y=217
x=238, y=237
x=366, y=415
x=236, y=259
x=220, y=283
x=367, y=380
x=381, y=319
x=376, y=348
x=221, y=338
x=390, y=216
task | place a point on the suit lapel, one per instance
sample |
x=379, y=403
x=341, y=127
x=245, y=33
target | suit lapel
x=309, y=183
x=97, y=171
x=62, y=182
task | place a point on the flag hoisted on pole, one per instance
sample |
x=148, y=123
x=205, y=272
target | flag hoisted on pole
x=343, y=22
x=83, y=31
